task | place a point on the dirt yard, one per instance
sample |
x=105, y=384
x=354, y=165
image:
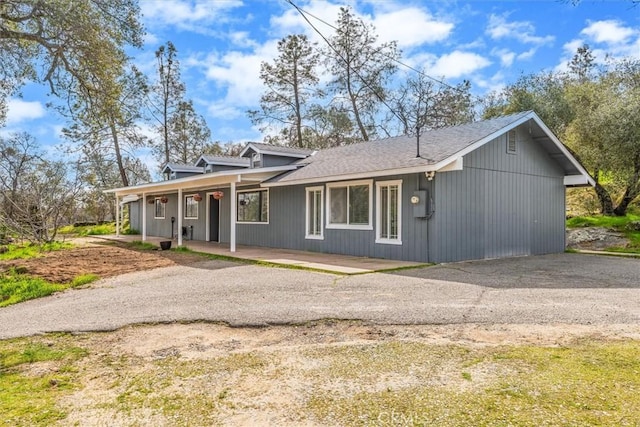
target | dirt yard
x=102, y=258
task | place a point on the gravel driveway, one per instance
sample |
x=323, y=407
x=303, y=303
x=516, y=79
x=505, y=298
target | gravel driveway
x=562, y=288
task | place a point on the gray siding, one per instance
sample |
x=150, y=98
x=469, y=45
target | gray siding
x=269, y=160
x=286, y=228
x=500, y=204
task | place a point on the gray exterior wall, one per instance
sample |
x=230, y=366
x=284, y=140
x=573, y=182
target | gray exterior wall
x=286, y=228
x=269, y=160
x=500, y=204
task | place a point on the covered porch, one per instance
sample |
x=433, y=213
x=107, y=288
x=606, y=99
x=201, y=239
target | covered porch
x=231, y=181
x=334, y=263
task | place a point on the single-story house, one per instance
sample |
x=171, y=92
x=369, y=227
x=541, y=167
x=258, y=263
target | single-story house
x=487, y=189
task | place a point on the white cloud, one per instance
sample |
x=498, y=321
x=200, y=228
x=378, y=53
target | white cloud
x=239, y=73
x=506, y=56
x=457, y=64
x=319, y=12
x=411, y=27
x=610, y=32
x=185, y=14
x=20, y=111
x=522, y=31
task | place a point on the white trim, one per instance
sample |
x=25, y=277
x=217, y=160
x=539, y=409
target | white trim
x=117, y=216
x=144, y=217
x=387, y=241
x=156, y=200
x=573, y=180
x=455, y=165
x=180, y=213
x=308, y=191
x=204, y=181
x=232, y=231
x=347, y=226
x=271, y=153
x=184, y=200
x=254, y=190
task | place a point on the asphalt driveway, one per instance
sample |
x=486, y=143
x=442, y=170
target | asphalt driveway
x=562, y=288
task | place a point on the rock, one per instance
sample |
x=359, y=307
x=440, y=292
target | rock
x=595, y=238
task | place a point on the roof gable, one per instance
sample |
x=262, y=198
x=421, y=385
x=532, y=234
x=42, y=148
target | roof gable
x=275, y=150
x=177, y=167
x=437, y=150
x=222, y=161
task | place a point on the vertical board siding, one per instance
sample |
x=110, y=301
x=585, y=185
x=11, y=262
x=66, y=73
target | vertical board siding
x=501, y=204
x=286, y=228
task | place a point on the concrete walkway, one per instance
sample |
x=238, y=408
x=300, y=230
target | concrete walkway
x=342, y=264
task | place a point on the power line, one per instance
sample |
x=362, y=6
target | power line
x=304, y=14
x=364, y=81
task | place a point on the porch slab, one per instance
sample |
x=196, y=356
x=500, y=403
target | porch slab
x=342, y=264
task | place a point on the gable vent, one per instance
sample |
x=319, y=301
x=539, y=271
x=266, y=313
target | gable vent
x=511, y=142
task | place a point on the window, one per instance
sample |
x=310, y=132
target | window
x=314, y=218
x=389, y=212
x=190, y=208
x=349, y=205
x=253, y=206
x=158, y=212
x=511, y=142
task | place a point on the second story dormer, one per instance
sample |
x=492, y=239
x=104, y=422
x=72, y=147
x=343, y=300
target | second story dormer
x=177, y=170
x=211, y=163
x=262, y=155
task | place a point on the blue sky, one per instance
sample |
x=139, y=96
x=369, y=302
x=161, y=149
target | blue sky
x=221, y=44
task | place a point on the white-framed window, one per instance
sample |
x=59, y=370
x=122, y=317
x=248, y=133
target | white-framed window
x=389, y=212
x=190, y=207
x=512, y=142
x=253, y=206
x=158, y=211
x=314, y=213
x=349, y=205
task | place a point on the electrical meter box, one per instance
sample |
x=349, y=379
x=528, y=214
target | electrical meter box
x=419, y=201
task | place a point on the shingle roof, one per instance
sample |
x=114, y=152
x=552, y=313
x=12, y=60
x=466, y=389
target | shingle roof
x=259, y=146
x=224, y=160
x=398, y=152
x=177, y=167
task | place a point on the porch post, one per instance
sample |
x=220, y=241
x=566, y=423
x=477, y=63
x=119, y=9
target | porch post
x=179, y=229
x=144, y=217
x=232, y=240
x=117, y=216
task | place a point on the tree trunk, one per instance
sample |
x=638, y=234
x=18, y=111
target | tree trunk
x=296, y=92
x=632, y=191
x=606, y=203
x=116, y=145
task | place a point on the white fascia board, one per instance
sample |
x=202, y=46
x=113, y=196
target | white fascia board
x=271, y=153
x=576, y=181
x=202, y=181
x=455, y=165
x=248, y=147
x=563, y=149
x=353, y=176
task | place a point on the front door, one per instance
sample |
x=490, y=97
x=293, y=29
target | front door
x=214, y=219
